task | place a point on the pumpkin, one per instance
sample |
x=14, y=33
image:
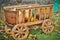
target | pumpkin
x=55, y=30
x=32, y=19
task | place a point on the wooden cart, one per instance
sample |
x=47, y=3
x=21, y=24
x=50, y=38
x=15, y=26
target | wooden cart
x=18, y=19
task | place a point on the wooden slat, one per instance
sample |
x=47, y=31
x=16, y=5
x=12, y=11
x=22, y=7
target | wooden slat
x=23, y=15
x=20, y=17
x=40, y=13
x=32, y=23
x=29, y=15
x=17, y=17
x=44, y=13
x=50, y=12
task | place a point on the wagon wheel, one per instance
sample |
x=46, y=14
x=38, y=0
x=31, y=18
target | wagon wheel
x=8, y=30
x=47, y=26
x=20, y=32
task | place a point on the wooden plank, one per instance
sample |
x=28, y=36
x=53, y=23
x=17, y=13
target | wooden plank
x=29, y=15
x=23, y=15
x=17, y=16
x=32, y=23
x=40, y=13
x=50, y=12
x=45, y=12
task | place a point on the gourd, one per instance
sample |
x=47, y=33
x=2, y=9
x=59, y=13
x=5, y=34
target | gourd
x=56, y=30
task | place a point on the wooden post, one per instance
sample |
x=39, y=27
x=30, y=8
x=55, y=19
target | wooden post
x=40, y=13
x=23, y=15
x=29, y=15
x=50, y=12
x=17, y=16
x=20, y=17
x=44, y=12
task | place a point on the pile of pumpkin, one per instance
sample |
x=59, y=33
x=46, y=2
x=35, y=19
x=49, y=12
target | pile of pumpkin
x=32, y=16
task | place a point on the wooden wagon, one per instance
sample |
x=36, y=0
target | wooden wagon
x=18, y=19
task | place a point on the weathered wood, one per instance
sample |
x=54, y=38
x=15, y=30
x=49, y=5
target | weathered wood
x=47, y=26
x=32, y=23
x=19, y=32
x=17, y=15
x=24, y=16
x=29, y=16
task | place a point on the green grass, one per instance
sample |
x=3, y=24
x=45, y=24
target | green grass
x=42, y=36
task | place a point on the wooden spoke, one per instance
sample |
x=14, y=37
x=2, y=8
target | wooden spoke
x=47, y=26
x=19, y=32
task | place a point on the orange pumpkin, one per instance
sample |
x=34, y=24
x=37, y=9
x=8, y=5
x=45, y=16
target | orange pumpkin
x=55, y=30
